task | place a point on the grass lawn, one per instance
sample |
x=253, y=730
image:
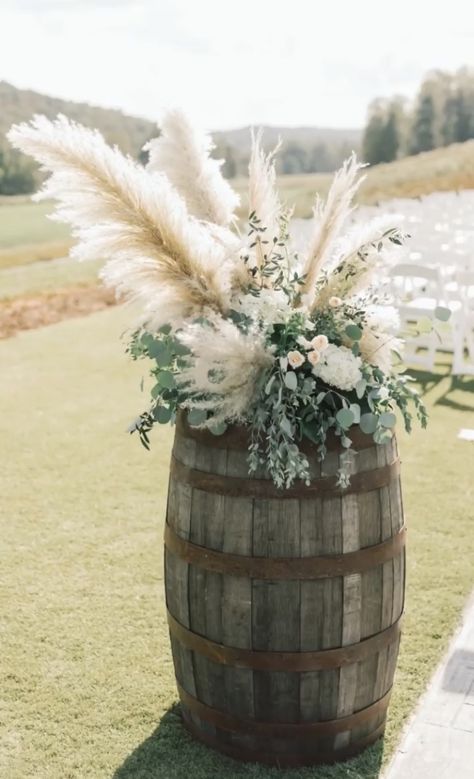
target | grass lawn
x=46, y=277
x=24, y=222
x=26, y=235
x=88, y=689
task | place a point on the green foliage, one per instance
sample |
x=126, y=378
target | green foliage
x=443, y=114
x=422, y=134
x=291, y=402
x=382, y=135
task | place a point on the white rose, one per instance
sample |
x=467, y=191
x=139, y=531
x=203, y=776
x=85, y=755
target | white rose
x=320, y=343
x=314, y=357
x=295, y=359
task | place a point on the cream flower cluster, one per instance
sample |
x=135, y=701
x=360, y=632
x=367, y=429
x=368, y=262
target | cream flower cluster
x=314, y=348
x=339, y=367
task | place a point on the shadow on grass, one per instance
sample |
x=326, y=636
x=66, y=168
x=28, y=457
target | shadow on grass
x=460, y=395
x=170, y=753
x=427, y=380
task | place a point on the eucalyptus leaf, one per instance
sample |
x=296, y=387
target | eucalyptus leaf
x=291, y=380
x=354, y=332
x=163, y=415
x=218, y=429
x=368, y=423
x=196, y=416
x=360, y=388
x=388, y=419
x=269, y=384
x=345, y=417
x=355, y=408
x=442, y=313
x=160, y=352
x=166, y=380
x=156, y=391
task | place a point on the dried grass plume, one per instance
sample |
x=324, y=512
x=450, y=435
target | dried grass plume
x=329, y=218
x=183, y=154
x=128, y=216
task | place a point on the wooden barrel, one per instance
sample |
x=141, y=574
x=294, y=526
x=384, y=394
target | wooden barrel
x=284, y=606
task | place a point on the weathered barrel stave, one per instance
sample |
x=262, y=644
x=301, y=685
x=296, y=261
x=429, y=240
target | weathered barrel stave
x=285, y=615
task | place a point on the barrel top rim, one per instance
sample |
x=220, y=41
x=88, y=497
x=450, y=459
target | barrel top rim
x=237, y=437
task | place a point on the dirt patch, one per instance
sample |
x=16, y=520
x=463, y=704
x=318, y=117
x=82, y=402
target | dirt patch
x=31, y=311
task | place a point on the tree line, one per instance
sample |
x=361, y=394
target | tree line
x=442, y=114
x=294, y=157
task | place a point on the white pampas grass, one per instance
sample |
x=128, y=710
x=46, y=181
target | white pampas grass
x=329, y=217
x=183, y=154
x=133, y=219
x=366, y=232
x=226, y=365
x=263, y=196
x=363, y=250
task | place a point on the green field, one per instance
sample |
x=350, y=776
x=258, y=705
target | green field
x=25, y=222
x=39, y=277
x=26, y=235
x=88, y=690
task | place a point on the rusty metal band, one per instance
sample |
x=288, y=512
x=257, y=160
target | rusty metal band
x=235, y=486
x=285, y=568
x=237, y=438
x=259, y=660
x=280, y=759
x=226, y=721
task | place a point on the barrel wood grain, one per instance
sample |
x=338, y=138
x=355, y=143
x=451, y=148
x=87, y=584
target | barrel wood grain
x=283, y=615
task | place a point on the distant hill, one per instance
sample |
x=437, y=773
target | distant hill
x=304, y=149
x=128, y=132
x=306, y=136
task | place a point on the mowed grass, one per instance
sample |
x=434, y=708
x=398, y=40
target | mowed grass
x=47, y=276
x=26, y=235
x=88, y=689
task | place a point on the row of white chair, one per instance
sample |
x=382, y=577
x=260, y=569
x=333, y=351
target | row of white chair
x=417, y=291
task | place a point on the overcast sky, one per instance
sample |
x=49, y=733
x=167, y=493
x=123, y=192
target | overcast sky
x=230, y=63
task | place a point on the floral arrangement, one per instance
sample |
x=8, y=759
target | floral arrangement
x=238, y=327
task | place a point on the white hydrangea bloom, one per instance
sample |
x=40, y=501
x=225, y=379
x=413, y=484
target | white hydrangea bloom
x=270, y=306
x=339, y=367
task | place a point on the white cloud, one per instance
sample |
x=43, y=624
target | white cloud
x=298, y=62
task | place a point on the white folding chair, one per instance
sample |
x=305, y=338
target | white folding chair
x=417, y=292
x=463, y=330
